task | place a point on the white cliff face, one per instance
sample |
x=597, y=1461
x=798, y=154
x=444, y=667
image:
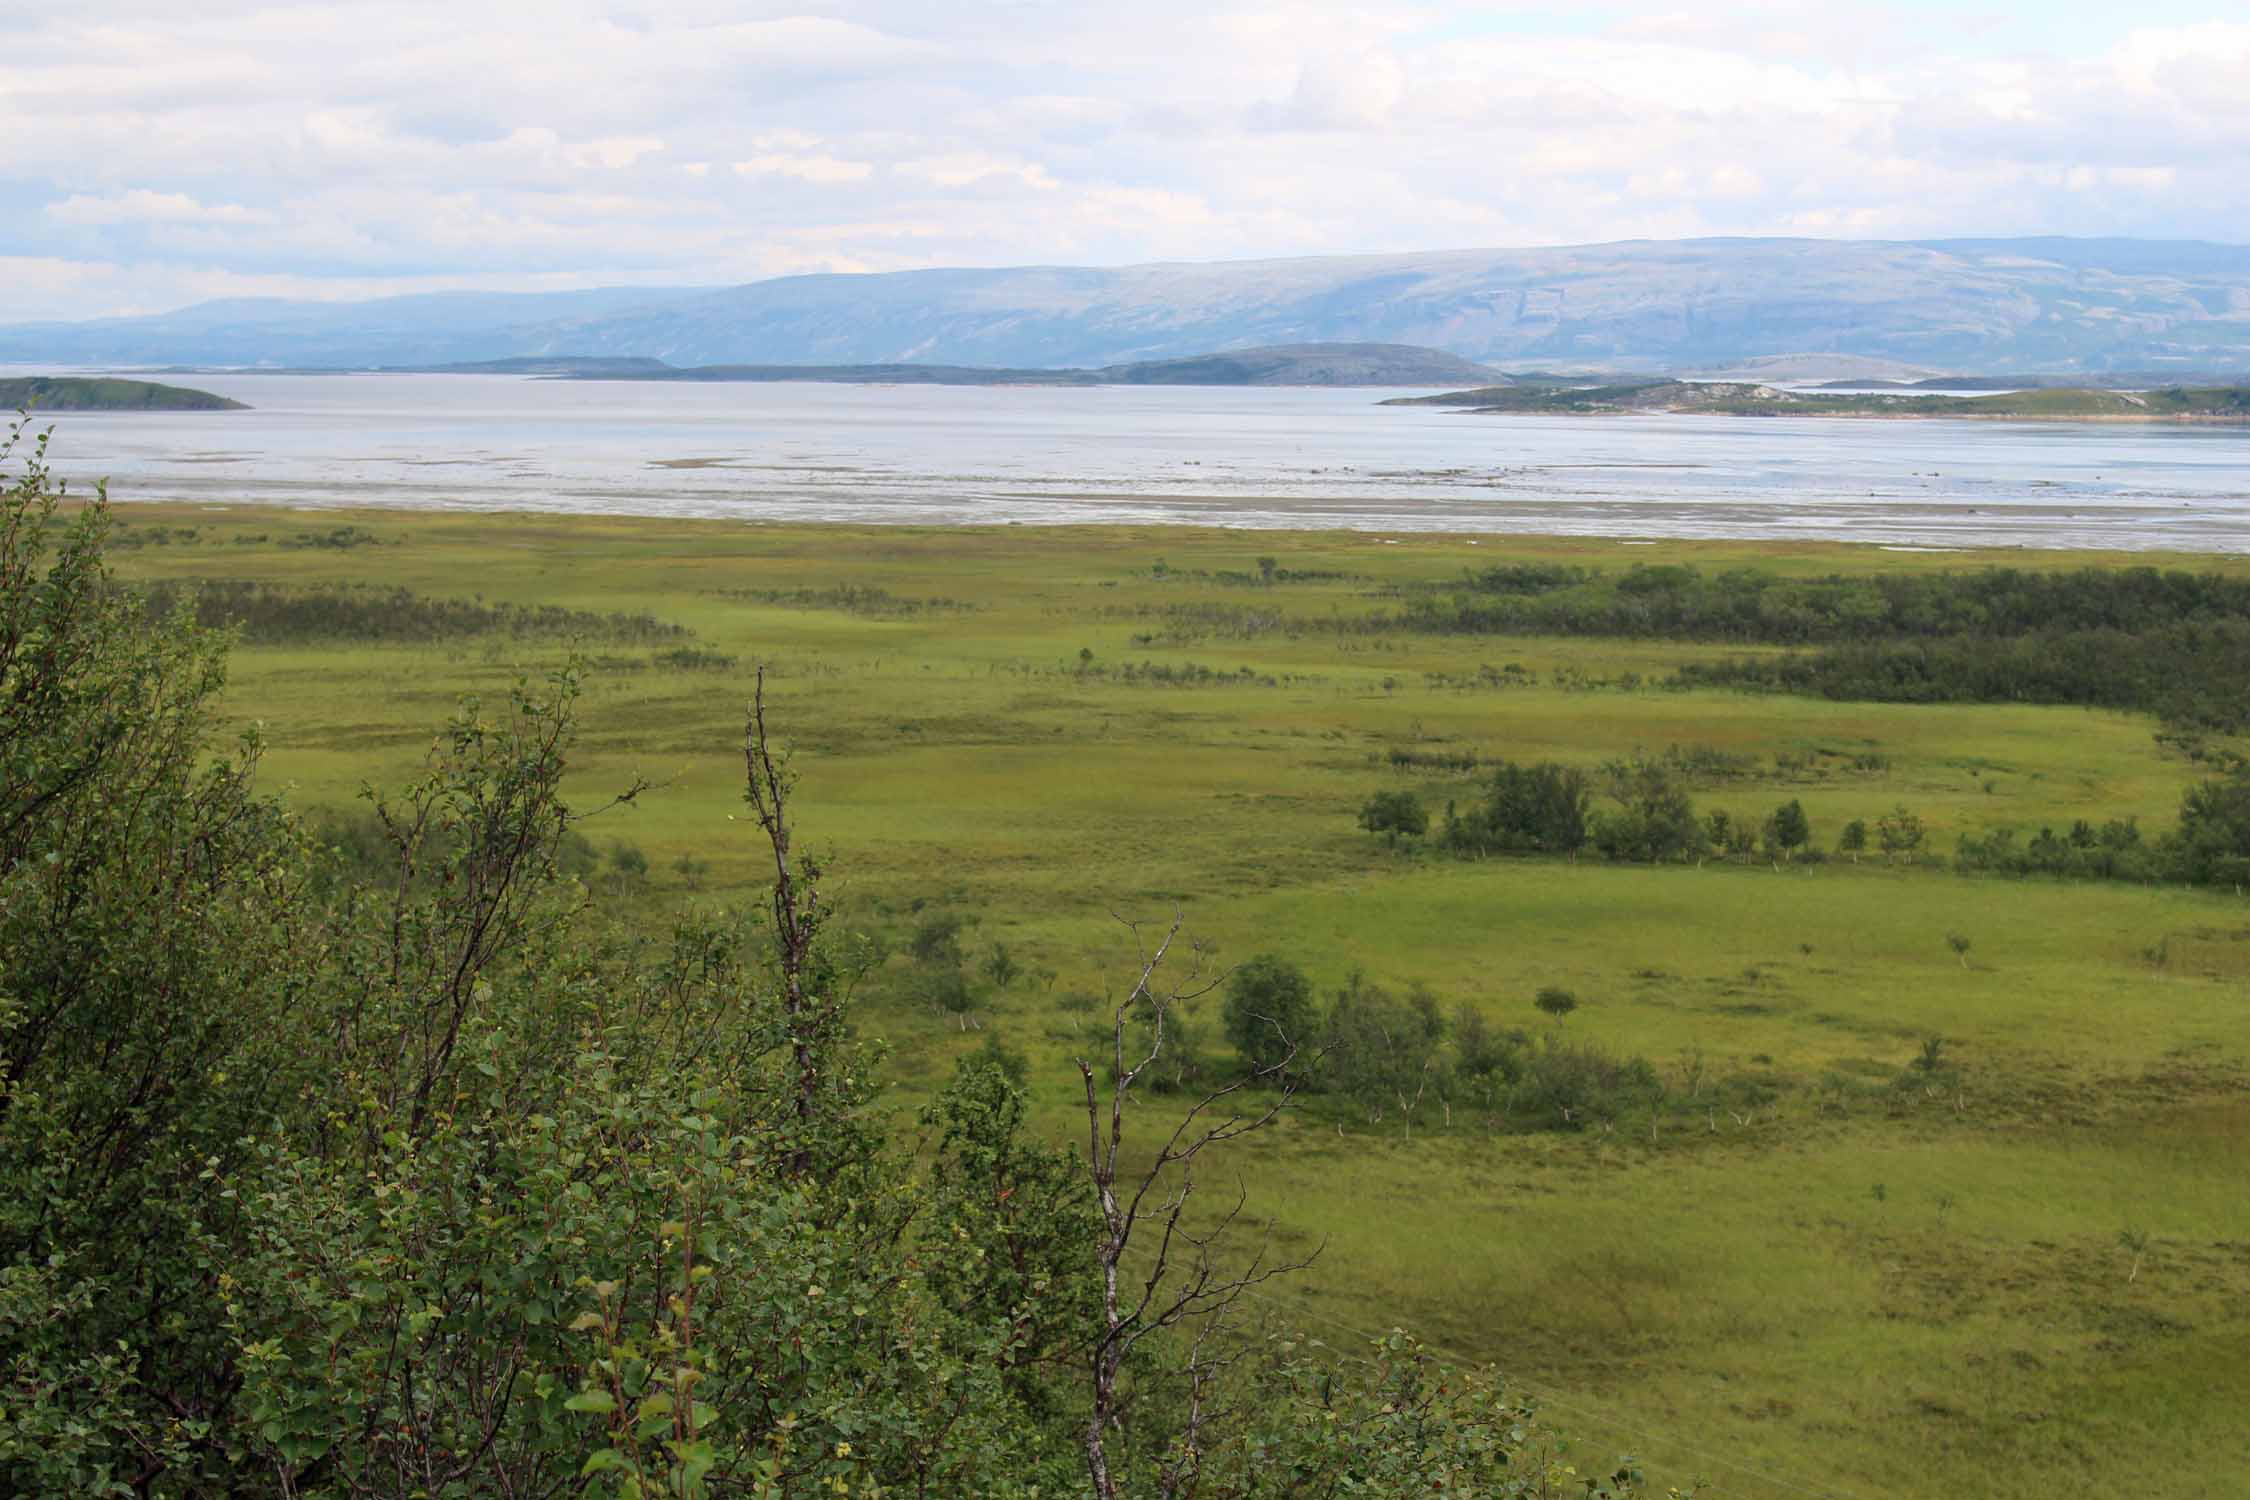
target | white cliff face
x=2003, y=305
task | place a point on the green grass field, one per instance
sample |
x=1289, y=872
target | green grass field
x=1857, y=1287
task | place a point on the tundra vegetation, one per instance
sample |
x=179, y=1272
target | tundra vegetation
x=1790, y=1192
x=417, y=1177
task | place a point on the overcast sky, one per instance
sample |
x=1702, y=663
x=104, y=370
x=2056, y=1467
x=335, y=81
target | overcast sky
x=163, y=153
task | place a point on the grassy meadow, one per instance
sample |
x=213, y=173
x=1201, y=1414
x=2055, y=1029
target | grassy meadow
x=1828, y=1280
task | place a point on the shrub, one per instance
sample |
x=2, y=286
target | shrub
x=1380, y=1050
x=1568, y=1084
x=1853, y=840
x=1555, y=1002
x=1395, y=815
x=1900, y=832
x=1790, y=829
x=1268, y=1011
x=1481, y=1050
x=1537, y=809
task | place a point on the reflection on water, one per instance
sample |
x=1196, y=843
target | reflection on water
x=1259, y=458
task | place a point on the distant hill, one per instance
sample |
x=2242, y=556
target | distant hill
x=1306, y=364
x=71, y=393
x=541, y=364
x=2213, y=404
x=1293, y=364
x=1875, y=308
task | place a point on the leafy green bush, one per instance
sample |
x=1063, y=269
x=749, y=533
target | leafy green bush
x=1539, y=809
x=1268, y=1011
x=1573, y=1083
x=1395, y=815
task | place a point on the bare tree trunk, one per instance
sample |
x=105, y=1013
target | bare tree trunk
x=1181, y=1279
x=796, y=917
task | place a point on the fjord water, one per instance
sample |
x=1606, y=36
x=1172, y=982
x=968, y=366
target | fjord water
x=1229, y=457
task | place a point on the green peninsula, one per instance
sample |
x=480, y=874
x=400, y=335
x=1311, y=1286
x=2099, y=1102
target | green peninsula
x=2211, y=404
x=1320, y=364
x=74, y=393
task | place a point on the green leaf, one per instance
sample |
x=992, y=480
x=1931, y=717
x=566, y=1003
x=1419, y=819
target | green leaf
x=595, y=1401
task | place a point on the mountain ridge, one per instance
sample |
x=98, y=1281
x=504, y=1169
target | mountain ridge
x=2046, y=305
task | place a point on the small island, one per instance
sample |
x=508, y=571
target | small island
x=2228, y=404
x=49, y=393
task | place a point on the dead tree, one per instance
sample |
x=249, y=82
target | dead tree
x=1179, y=1278
x=807, y=1017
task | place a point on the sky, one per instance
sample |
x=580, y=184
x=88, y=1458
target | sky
x=160, y=154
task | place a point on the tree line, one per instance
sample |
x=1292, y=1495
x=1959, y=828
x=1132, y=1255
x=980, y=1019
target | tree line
x=2167, y=642
x=270, y=614
x=2194, y=676
x=1682, y=602
x=1647, y=814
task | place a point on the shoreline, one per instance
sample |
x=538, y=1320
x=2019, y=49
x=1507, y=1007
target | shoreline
x=1197, y=533
x=2136, y=419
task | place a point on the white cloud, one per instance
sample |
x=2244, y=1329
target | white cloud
x=1344, y=91
x=612, y=152
x=140, y=206
x=820, y=168
x=282, y=145
x=966, y=168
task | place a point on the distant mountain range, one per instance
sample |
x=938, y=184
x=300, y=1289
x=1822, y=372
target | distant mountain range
x=1965, y=306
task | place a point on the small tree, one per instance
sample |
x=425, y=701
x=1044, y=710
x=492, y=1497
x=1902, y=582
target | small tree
x=1655, y=819
x=1381, y=1051
x=1268, y=1011
x=1791, y=830
x=1395, y=814
x=1854, y=839
x=1001, y=968
x=1900, y=832
x=1480, y=1049
x=1959, y=943
x=1555, y=1002
x=937, y=939
x=1265, y=571
x=2135, y=1243
x=945, y=988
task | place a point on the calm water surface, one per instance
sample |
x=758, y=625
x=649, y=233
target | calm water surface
x=1254, y=458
